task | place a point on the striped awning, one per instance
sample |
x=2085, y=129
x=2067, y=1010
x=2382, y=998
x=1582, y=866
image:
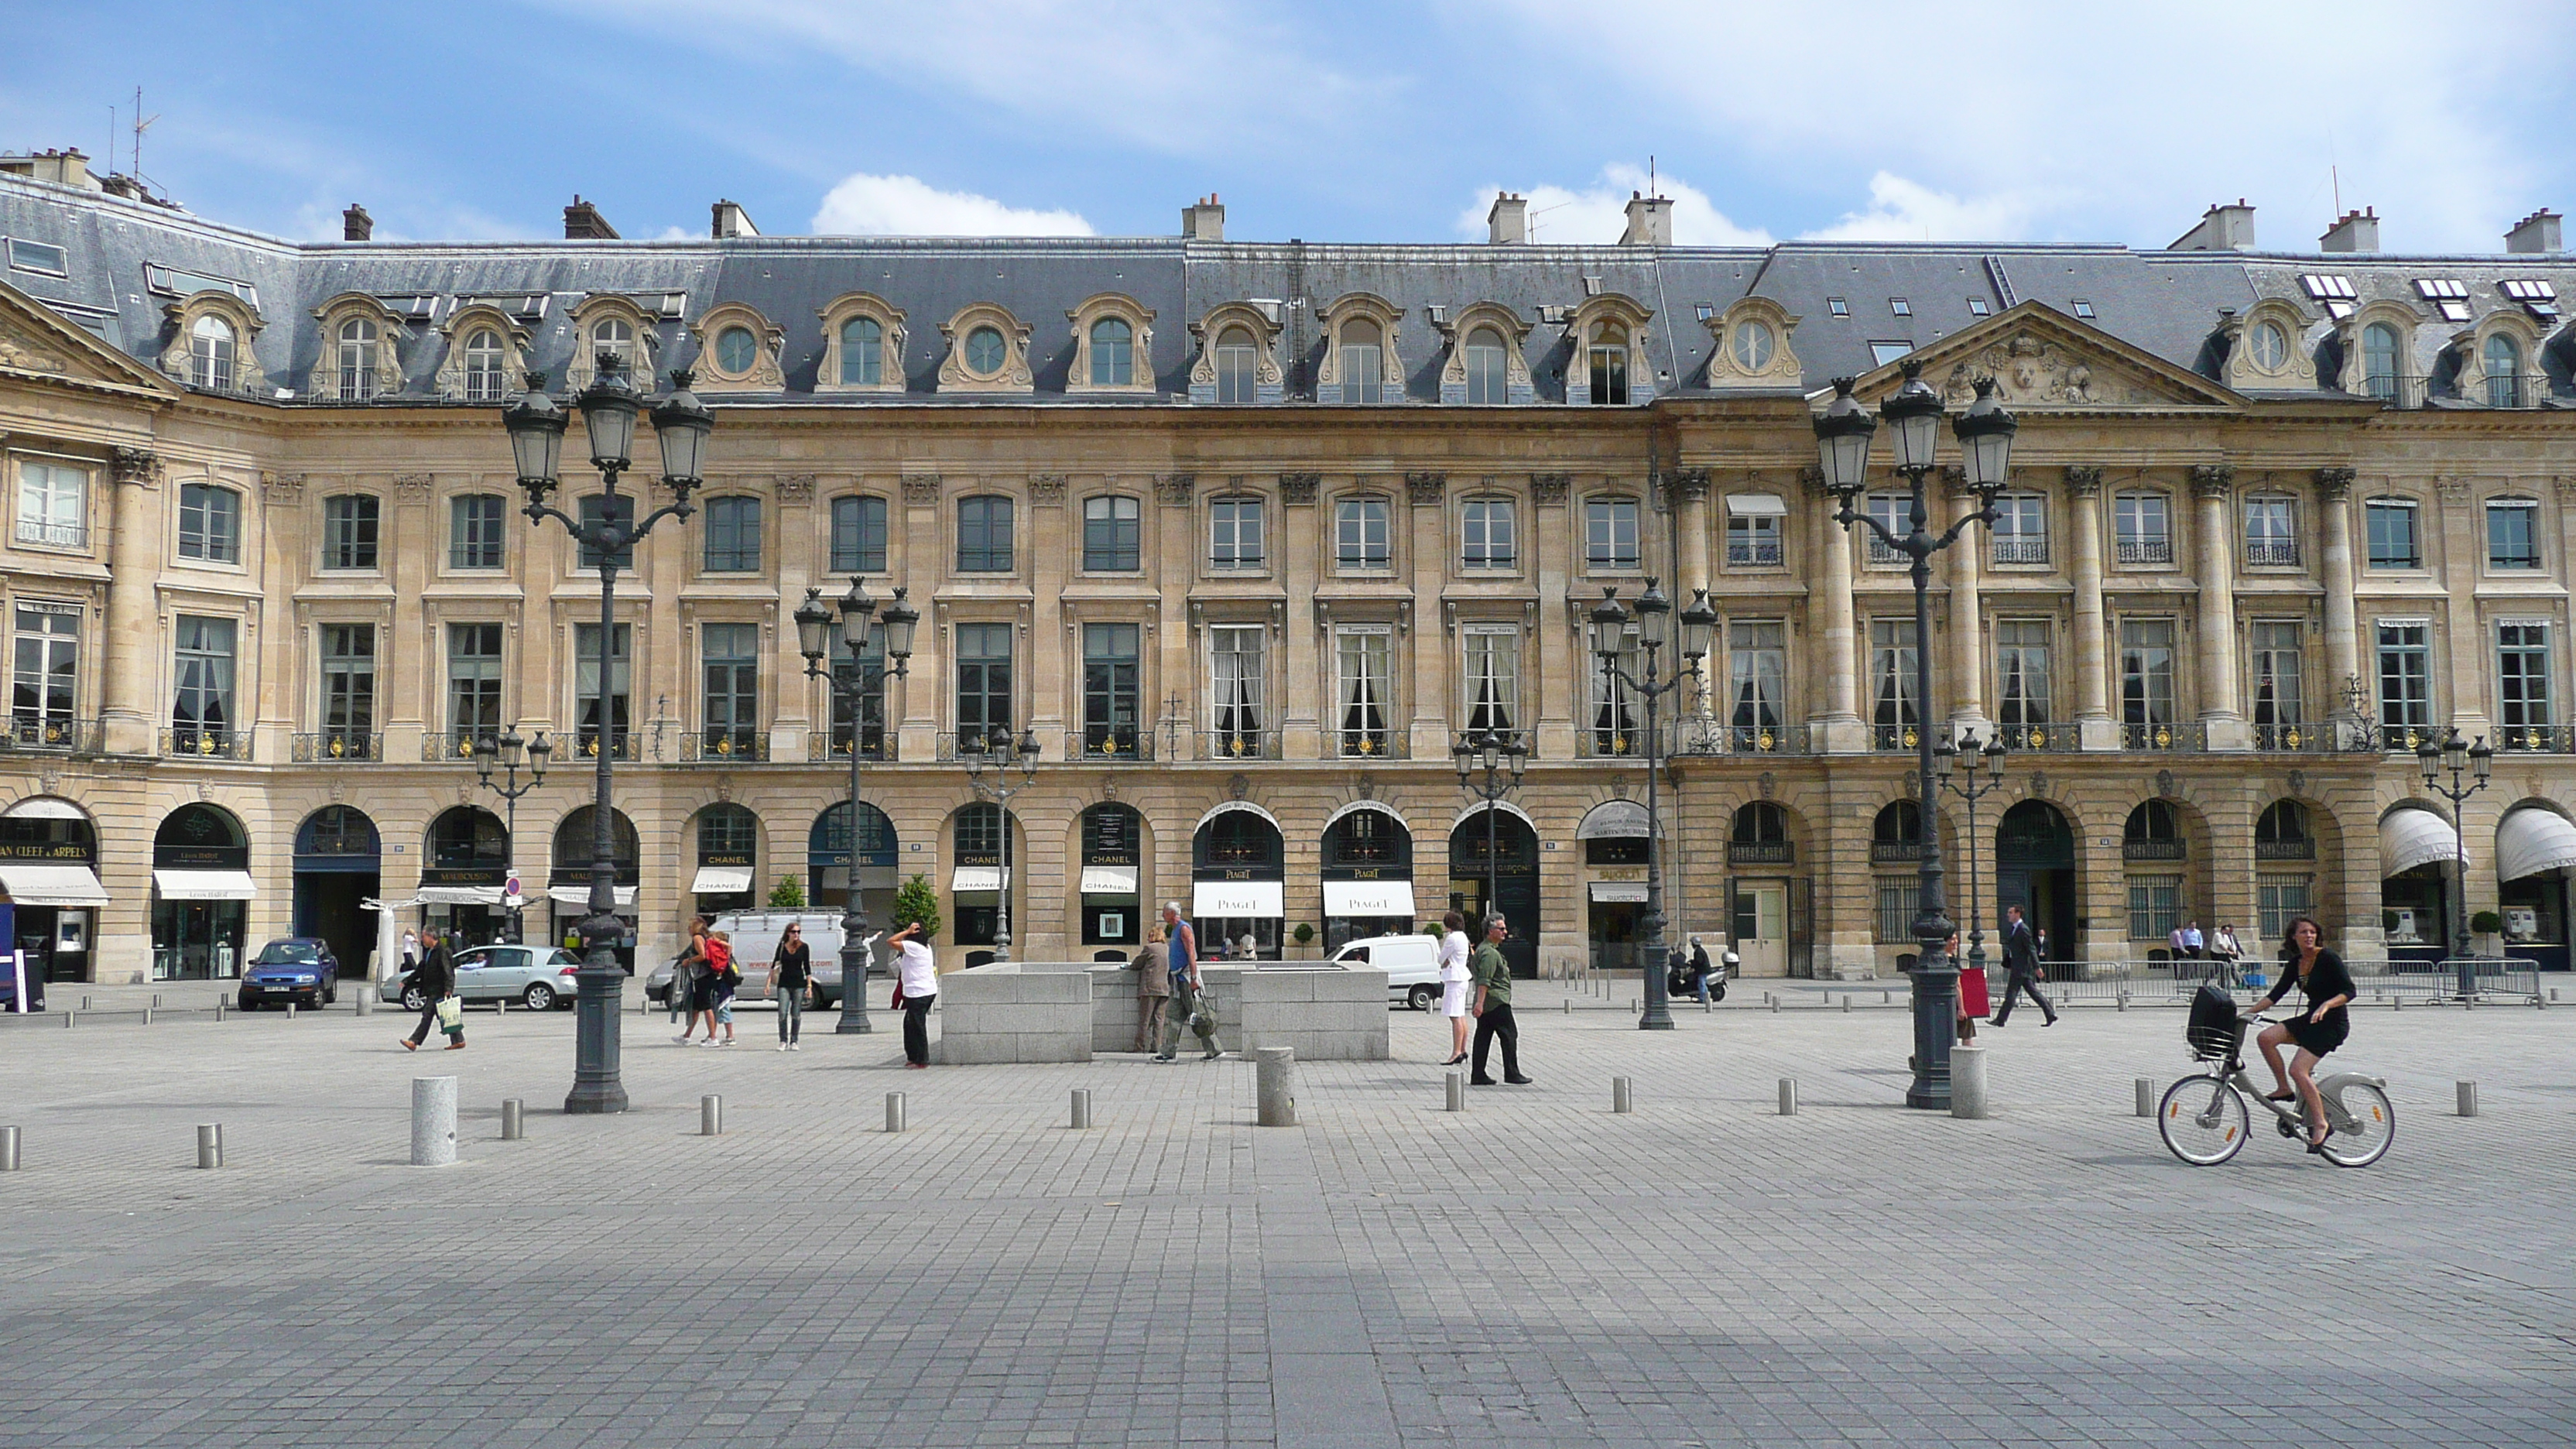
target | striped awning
x=2531, y=841
x=2409, y=837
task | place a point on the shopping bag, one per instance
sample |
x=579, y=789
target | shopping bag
x=451, y=1015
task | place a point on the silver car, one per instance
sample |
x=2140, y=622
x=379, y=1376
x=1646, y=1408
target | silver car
x=538, y=977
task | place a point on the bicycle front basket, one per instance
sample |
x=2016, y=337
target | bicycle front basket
x=2214, y=1028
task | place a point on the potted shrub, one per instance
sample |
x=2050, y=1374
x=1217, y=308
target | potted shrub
x=788, y=894
x=2484, y=928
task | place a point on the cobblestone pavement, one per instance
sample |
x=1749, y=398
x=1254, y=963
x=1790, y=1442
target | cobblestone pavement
x=1535, y=1270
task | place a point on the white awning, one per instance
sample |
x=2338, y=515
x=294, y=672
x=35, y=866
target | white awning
x=2411, y=837
x=2527, y=843
x=44, y=807
x=579, y=895
x=1242, y=899
x=1109, y=880
x=205, y=885
x=1757, y=505
x=1619, y=890
x=1368, y=898
x=456, y=895
x=1611, y=820
x=52, y=883
x=721, y=880
x=976, y=878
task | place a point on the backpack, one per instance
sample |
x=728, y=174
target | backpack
x=720, y=959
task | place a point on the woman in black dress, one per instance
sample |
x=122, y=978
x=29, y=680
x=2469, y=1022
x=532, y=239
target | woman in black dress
x=2320, y=973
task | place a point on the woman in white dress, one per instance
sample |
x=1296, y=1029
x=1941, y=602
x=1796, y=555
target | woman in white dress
x=1453, y=983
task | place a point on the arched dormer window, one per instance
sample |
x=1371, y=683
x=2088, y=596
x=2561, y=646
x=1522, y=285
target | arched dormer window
x=1360, y=367
x=1238, y=361
x=356, y=359
x=1749, y=345
x=206, y=339
x=988, y=351
x=210, y=353
x=359, y=360
x=863, y=342
x=1485, y=367
x=1113, y=353
x=2379, y=357
x=485, y=379
x=1237, y=364
x=2501, y=362
x=1607, y=364
x=738, y=351
x=2271, y=347
x=612, y=324
x=486, y=354
x=1113, y=346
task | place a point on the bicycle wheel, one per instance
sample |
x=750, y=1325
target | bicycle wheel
x=2202, y=1120
x=2364, y=1129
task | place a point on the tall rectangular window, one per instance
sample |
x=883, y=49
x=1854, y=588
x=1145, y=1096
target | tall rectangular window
x=2390, y=523
x=1493, y=678
x=983, y=683
x=1490, y=538
x=349, y=531
x=2280, y=689
x=2522, y=684
x=1237, y=720
x=2405, y=682
x=2281, y=899
x=733, y=535
x=1110, y=688
x=1757, y=682
x=2141, y=529
x=2270, y=537
x=209, y=523
x=1610, y=533
x=1234, y=533
x=2155, y=906
x=868, y=671
x=2513, y=535
x=1112, y=534
x=1616, y=712
x=601, y=696
x=201, y=709
x=1360, y=667
x=45, y=680
x=474, y=524
x=2020, y=529
x=1361, y=537
x=53, y=505
x=348, y=691
x=984, y=535
x=1895, y=513
x=729, y=702
x=1895, y=713
x=859, y=535
x=473, y=685
x=1899, y=897
x=595, y=507
x=2023, y=683
x=2147, y=683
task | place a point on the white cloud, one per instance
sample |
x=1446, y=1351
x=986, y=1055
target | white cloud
x=1598, y=214
x=1902, y=210
x=866, y=205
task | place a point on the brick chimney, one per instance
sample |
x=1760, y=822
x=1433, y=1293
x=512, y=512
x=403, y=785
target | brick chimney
x=67, y=167
x=1650, y=221
x=1203, y=220
x=1507, y=224
x=731, y=220
x=2223, y=228
x=2537, y=232
x=2357, y=232
x=356, y=225
x=582, y=222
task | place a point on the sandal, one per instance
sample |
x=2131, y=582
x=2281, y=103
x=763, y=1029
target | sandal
x=2281, y=1097
x=2317, y=1145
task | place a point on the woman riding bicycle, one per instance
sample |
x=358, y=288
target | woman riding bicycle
x=2320, y=973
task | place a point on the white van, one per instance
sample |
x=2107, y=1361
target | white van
x=1411, y=963
x=754, y=936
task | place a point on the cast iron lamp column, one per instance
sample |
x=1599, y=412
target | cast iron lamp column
x=609, y=407
x=510, y=752
x=999, y=754
x=1610, y=625
x=1971, y=788
x=814, y=641
x=1491, y=752
x=1985, y=443
x=2460, y=758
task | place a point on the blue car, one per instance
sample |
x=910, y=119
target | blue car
x=295, y=969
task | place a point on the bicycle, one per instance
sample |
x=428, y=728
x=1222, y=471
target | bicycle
x=2203, y=1119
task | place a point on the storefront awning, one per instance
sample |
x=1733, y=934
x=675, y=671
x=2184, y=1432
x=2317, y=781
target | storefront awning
x=721, y=880
x=985, y=878
x=1619, y=890
x=1109, y=880
x=2410, y=837
x=457, y=895
x=579, y=895
x=1368, y=898
x=1757, y=505
x=44, y=807
x=2527, y=843
x=205, y=885
x=1238, y=899
x=34, y=883
x=1613, y=820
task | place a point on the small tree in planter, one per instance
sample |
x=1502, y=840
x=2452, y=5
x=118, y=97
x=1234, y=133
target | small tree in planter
x=1304, y=935
x=788, y=894
x=916, y=901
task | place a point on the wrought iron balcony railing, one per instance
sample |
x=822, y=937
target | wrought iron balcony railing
x=2040, y=737
x=2285, y=850
x=1891, y=737
x=724, y=746
x=2272, y=553
x=2537, y=739
x=2021, y=550
x=54, y=732
x=2295, y=737
x=1114, y=743
x=1706, y=736
x=2143, y=551
x=1366, y=742
x=325, y=747
x=2154, y=850
x=2189, y=735
x=587, y=744
x=1760, y=553
x=46, y=533
x=875, y=743
x=1894, y=852
x=454, y=747
x=205, y=742
x=1238, y=744
x=1761, y=852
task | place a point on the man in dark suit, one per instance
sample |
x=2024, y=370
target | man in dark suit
x=2021, y=965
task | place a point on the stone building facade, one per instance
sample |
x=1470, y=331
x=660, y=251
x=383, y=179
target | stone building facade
x=1247, y=538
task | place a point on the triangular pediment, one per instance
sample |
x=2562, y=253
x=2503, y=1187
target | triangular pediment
x=37, y=343
x=2040, y=358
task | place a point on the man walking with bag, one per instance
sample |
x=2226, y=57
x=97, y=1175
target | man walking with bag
x=1493, y=978
x=1187, y=1003
x=436, y=979
x=2021, y=965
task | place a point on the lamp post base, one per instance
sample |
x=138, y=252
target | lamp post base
x=1936, y=1026
x=596, y=1082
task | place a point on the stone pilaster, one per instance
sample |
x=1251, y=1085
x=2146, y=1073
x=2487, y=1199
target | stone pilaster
x=133, y=634
x=2213, y=486
x=2094, y=727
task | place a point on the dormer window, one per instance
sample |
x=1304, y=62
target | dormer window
x=1754, y=345
x=1608, y=365
x=485, y=380
x=210, y=354
x=1113, y=353
x=2379, y=360
x=614, y=335
x=2268, y=345
x=1363, y=370
x=357, y=359
x=984, y=351
x=1238, y=365
x=736, y=350
x=2502, y=361
x=862, y=352
x=1487, y=371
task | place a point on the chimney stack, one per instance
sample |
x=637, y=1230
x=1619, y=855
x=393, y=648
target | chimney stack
x=2537, y=232
x=582, y=222
x=1650, y=221
x=2222, y=228
x=1507, y=224
x=2357, y=232
x=356, y=225
x=67, y=167
x=1203, y=220
x=731, y=220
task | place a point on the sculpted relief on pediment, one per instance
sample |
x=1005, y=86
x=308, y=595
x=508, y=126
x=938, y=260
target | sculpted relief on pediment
x=2033, y=371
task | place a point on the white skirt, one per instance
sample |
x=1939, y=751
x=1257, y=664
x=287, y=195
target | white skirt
x=1453, y=998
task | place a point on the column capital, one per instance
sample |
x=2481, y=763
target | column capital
x=2335, y=483
x=1687, y=485
x=1175, y=488
x=2084, y=480
x=2213, y=480
x=140, y=467
x=1812, y=477
x=1426, y=490
x=920, y=489
x=1551, y=489
x=1299, y=488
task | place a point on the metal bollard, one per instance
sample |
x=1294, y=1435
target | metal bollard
x=2146, y=1096
x=1568, y=1004
x=1886, y=998
x=1775, y=1006
x=70, y=1019
x=147, y=1016
x=2467, y=1093
x=84, y=1003
x=1788, y=1096
x=1081, y=1108
x=1457, y=1091
x=8, y=1149
x=1846, y=1003
x=1968, y=1082
x=363, y=997
x=514, y=1119
x=1620, y=1100
x=501, y=1006
x=156, y=998
x=1274, y=1078
x=711, y=1115
x=894, y=1111
x=219, y=1008
x=2124, y=1001
x=433, y=1121
x=210, y=1144
x=290, y=1011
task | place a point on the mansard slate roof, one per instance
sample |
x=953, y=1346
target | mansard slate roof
x=2165, y=303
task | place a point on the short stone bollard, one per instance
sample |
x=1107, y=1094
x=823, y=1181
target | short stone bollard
x=1274, y=1079
x=1788, y=1096
x=1847, y=1003
x=1081, y=1114
x=363, y=998
x=2467, y=1097
x=84, y=1003
x=894, y=1112
x=210, y=1144
x=1968, y=1082
x=1775, y=1006
x=1457, y=1091
x=1620, y=1099
x=70, y=1019
x=2146, y=1096
x=433, y=1121
x=1568, y=1004
x=147, y=1016
x=514, y=1119
x=219, y=1008
x=156, y=998
x=711, y=1115
x=1886, y=998
x=8, y=1149
x=290, y=1011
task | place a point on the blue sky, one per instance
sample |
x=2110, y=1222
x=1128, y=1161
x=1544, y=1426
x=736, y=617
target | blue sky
x=1325, y=120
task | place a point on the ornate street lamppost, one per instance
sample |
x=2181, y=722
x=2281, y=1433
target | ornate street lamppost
x=1611, y=622
x=849, y=695
x=988, y=769
x=511, y=752
x=1971, y=788
x=2457, y=756
x=1493, y=752
x=609, y=408
x=1985, y=435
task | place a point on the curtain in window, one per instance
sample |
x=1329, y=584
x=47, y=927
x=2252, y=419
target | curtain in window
x=1493, y=680
x=1363, y=692
x=1894, y=712
x=201, y=714
x=1614, y=709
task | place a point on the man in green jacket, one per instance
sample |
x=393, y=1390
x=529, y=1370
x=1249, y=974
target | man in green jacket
x=1492, y=976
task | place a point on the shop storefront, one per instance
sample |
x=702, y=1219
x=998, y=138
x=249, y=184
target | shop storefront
x=728, y=852
x=1504, y=879
x=832, y=858
x=569, y=885
x=1238, y=883
x=336, y=861
x=1368, y=876
x=2415, y=848
x=49, y=871
x=979, y=872
x=1614, y=840
x=1112, y=903
x=2535, y=851
x=461, y=884
x=201, y=895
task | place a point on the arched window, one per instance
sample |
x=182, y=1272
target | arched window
x=2269, y=346
x=336, y=831
x=1608, y=361
x=1238, y=369
x=978, y=835
x=984, y=534
x=1762, y=823
x=1241, y=838
x=483, y=374
x=862, y=352
x=615, y=336
x=574, y=847
x=469, y=838
x=1366, y=838
x=2154, y=832
x=210, y=353
x=2282, y=833
x=1487, y=375
x=1113, y=353
x=1753, y=345
x=2504, y=372
x=1363, y=372
x=2379, y=360
x=1897, y=834
x=357, y=358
